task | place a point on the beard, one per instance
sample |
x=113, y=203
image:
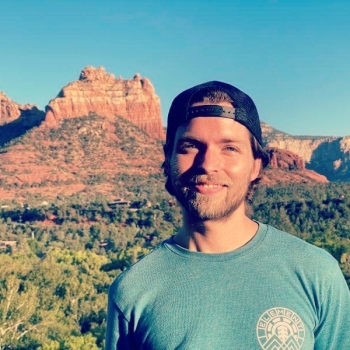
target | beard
x=203, y=207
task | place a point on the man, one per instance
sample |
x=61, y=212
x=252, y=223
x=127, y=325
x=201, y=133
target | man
x=225, y=281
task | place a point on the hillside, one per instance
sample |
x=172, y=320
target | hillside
x=86, y=154
x=93, y=154
x=99, y=92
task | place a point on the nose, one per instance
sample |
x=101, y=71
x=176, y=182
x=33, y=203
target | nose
x=208, y=160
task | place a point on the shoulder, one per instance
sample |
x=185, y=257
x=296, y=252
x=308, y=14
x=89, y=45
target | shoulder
x=144, y=272
x=299, y=251
x=141, y=283
x=304, y=264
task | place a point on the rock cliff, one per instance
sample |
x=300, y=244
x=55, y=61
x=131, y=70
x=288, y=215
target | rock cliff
x=17, y=119
x=329, y=156
x=286, y=166
x=101, y=93
x=10, y=110
x=284, y=159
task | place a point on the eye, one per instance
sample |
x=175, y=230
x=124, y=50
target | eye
x=230, y=149
x=187, y=147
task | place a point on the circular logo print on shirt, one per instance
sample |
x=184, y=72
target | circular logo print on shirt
x=280, y=328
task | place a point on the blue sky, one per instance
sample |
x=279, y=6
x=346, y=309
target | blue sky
x=291, y=57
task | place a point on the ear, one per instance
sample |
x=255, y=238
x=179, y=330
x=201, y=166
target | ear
x=256, y=169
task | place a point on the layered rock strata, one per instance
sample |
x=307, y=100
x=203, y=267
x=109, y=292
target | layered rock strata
x=329, y=156
x=286, y=166
x=285, y=159
x=101, y=93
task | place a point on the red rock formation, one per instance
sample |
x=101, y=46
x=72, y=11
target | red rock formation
x=9, y=110
x=286, y=166
x=285, y=159
x=15, y=118
x=100, y=92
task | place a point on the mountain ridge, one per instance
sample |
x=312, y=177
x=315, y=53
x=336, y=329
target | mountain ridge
x=94, y=154
x=56, y=161
x=327, y=155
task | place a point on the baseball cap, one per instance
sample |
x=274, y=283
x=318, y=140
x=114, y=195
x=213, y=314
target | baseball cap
x=244, y=110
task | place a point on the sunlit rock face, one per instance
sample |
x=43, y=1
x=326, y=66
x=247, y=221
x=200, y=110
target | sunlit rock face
x=329, y=156
x=287, y=167
x=99, y=92
x=9, y=110
x=288, y=160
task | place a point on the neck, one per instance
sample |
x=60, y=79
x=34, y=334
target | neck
x=216, y=236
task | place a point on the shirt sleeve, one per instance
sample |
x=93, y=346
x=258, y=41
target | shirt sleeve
x=118, y=336
x=333, y=331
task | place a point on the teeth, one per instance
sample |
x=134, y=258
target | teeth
x=211, y=186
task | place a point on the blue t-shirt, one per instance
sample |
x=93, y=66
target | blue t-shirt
x=276, y=292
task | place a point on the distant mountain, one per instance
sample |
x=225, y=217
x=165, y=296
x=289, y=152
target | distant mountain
x=327, y=155
x=270, y=133
x=286, y=166
x=94, y=154
x=100, y=131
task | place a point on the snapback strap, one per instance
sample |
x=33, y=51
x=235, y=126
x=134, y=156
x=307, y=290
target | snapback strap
x=210, y=111
x=237, y=114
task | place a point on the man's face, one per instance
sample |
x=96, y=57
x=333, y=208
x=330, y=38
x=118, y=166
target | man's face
x=211, y=166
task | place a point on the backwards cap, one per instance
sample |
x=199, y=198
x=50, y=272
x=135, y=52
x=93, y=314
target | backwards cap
x=243, y=111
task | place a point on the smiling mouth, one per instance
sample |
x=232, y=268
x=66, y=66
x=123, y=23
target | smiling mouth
x=210, y=185
x=208, y=188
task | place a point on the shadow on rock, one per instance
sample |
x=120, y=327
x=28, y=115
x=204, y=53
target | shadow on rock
x=28, y=119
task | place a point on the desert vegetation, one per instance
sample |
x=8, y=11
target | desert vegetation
x=54, y=280
x=80, y=203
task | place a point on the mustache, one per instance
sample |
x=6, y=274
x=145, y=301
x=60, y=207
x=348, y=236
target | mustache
x=195, y=179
